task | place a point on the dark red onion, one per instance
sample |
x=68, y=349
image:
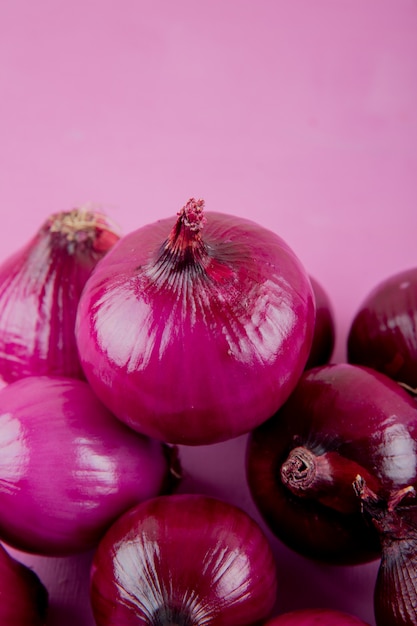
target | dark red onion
x=24, y=598
x=341, y=420
x=183, y=560
x=324, y=328
x=68, y=468
x=383, y=333
x=315, y=617
x=40, y=286
x=395, y=518
x=195, y=335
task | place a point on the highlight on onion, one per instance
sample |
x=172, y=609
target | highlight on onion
x=315, y=617
x=40, y=286
x=341, y=420
x=324, y=336
x=24, y=598
x=69, y=468
x=395, y=519
x=193, y=330
x=383, y=333
x=183, y=559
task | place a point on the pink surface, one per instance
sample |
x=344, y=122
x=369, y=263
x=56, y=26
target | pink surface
x=300, y=115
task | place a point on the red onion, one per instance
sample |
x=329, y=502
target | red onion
x=324, y=329
x=383, y=333
x=183, y=560
x=24, y=598
x=195, y=335
x=68, y=468
x=395, y=518
x=40, y=286
x=315, y=617
x=341, y=420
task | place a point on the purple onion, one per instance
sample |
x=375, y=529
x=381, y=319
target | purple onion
x=197, y=329
x=24, y=598
x=183, y=560
x=40, y=286
x=324, y=328
x=68, y=468
x=315, y=617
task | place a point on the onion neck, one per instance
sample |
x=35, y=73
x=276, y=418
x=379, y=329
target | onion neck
x=326, y=478
x=81, y=228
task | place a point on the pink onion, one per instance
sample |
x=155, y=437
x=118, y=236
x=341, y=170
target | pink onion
x=383, y=333
x=324, y=328
x=341, y=420
x=24, y=598
x=40, y=286
x=183, y=560
x=195, y=334
x=68, y=468
x=315, y=617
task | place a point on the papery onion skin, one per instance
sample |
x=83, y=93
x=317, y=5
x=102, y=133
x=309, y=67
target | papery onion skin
x=315, y=617
x=40, y=286
x=324, y=337
x=24, y=598
x=383, y=333
x=68, y=467
x=340, y=420
x=195, y=338
x=183, y=559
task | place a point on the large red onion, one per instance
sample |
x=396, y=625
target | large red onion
x=315, y=617
x=40, y=286
x=341, y=420
x=23, y=597
x=383, y=333
x=68, y=468
x=195, y=335
x=183, y=560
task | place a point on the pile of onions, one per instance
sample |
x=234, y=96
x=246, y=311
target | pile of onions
x=383, y=333
x=40, y=286
x=68, y=468
x=24, y=598
x=315, y=617
x=183, y=559
x=196, y=329
x=341, y=421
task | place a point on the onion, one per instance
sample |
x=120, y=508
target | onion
x=324, y=329
x=383, y=333
x=341, y=420
x=195, y=335
x=24, y=598
x=40, y=286
x=394, y=517
x=183, y=559
x=68, y=468
x=315, y=617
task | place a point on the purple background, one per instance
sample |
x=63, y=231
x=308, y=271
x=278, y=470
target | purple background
x=300, y=115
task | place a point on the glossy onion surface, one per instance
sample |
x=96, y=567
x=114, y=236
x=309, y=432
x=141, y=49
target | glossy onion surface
x=196, y=337
x=40, y=286
x=315, y=617
x=383, y=334
x=341, y=420
x=183, y=560
x=24, y=598
x=68, y=468
x=324, y=328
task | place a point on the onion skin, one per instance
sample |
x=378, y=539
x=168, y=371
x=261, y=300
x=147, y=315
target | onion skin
x=383, y=333
x=68, y=468
x=324, y=329
x=24, y=598
x=340, y=421
x=196, y=337
x=40, y=286
x=183, y=559
x=315, y=617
